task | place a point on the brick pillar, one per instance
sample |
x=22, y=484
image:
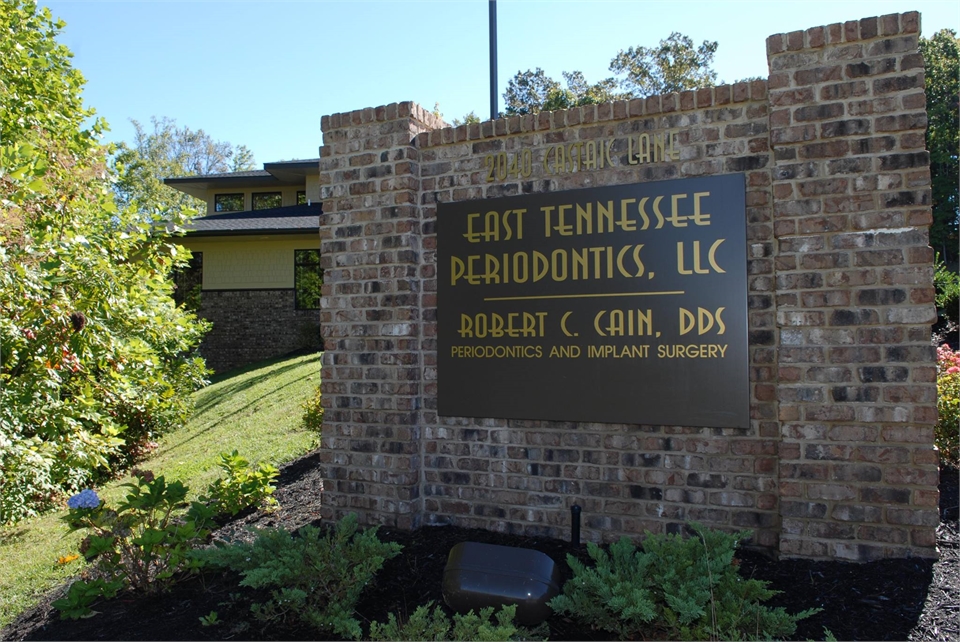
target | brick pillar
x=371, y=253
x=856, y=392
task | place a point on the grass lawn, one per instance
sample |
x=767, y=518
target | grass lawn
x=255, y=411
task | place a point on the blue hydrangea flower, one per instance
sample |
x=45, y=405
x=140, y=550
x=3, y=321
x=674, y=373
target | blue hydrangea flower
x=84, y=499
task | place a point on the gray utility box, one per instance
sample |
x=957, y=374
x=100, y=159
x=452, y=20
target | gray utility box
x=479, y=575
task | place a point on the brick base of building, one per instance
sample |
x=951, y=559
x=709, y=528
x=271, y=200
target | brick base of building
x=253, y=325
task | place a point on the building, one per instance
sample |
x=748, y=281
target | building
x=255, y=272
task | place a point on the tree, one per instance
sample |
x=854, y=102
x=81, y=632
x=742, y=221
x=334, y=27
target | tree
x=674, y=65
x=468, y=119
x=941, y=54
x=166, y=152
x=95, y=358
x=528, y=91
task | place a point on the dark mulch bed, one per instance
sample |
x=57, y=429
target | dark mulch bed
x=884, y=600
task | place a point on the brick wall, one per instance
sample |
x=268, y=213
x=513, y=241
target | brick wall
x=372, y=314
x=837, y=460
x=252, y=325
x=854, y=294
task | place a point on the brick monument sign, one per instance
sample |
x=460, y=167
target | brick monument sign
x=709, y=306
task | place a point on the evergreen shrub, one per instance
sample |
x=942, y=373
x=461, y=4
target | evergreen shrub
x=674, y=588
x=314, y=576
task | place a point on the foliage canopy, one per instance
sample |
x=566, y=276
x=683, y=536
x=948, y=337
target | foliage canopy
x=170, y=151
x=675, y=64
x=94, y=355
x=941, y=55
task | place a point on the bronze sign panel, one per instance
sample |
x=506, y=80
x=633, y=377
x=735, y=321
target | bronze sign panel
x=624, y=304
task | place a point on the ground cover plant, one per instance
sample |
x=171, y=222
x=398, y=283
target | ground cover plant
x=896, y=599
x=40, y=553
x=315, y=576
x=674, y=588
x=429, y=622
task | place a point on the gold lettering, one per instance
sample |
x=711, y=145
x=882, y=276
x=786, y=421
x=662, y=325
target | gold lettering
x=563, y=324
x=540, y=266
x=700, y=218
x=491, y=269
x=574, y=151
x=638, y=261
x=643, y=212
x=607, y=153
x=590, y=155
x=580, y=269
x=471, y=236
x=457, y=269
x=615, y=327
x=711, y=256
x=564, y=228
x=675, y=218
x=644, y=146
x=521, y=267
x=620, y=267
x=492, y=225
x=625, y=223
x=631, y=156
x=585, y=219
x=604, y=213
x=558, y=265
x=546, y=209
x=657, y=212
x=466, y=326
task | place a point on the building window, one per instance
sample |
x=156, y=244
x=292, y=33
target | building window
x=267, y=200
x=308, y=277
x=188, y=283
x=301, y=198
x=228, y=202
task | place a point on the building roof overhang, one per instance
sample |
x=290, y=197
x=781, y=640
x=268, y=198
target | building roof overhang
x=295, y=219
x=278, y=174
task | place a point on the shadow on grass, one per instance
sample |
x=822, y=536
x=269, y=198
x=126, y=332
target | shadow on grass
x=208, y=398
x=241, y=386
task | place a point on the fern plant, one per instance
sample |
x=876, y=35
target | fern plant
x=681, y=588
x=314, y=576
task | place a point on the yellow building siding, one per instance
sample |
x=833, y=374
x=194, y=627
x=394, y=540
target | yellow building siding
x=249, y=263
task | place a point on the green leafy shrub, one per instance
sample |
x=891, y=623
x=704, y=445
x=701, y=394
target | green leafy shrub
x=82, y=594
x=141, y=544
x=430, y=623
x=947, y=430
x=95, y=358
x=313, y=411
x=947, y=286
x=242, y=486
x=314, y=576
x=674, y=588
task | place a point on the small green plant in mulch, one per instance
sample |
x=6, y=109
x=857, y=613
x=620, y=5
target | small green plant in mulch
x=430, y=623
x=674, y=588
x=241, y=486
x=314, y=576
x=313, y=411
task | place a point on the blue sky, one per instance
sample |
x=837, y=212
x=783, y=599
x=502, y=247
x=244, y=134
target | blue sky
x=263, y=73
